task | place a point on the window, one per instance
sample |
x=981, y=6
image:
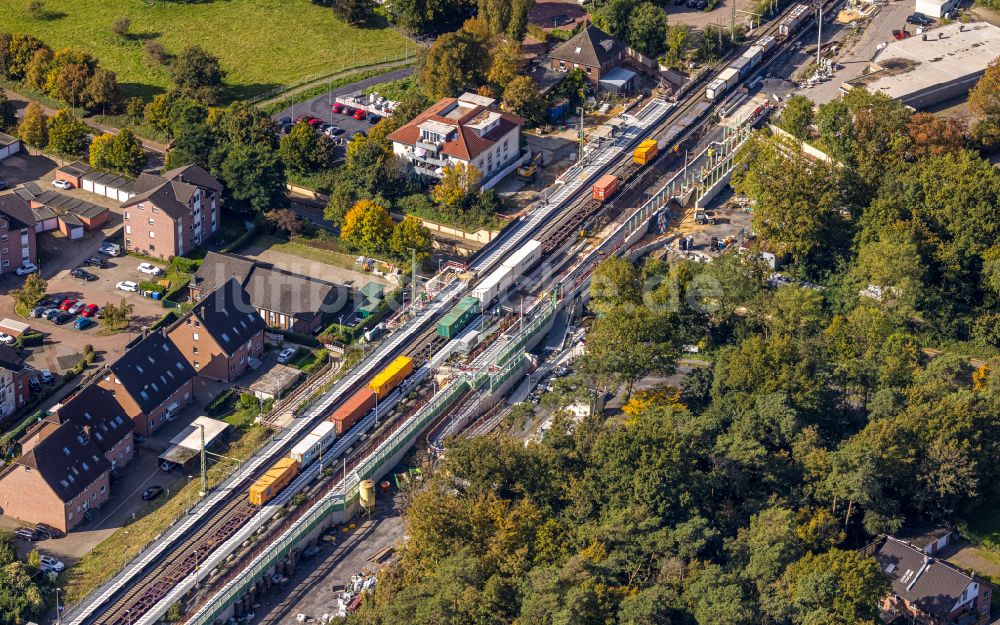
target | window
x=151, y=221
x=152, y=235
x=126, y=215
x=70, y=515
x=6, y=263
x=194, y=336
x=102, y=488
x=128, y=229
x=196, y=364
x=156, y=210
x=195, y=348
x=152, y=247
x=588, y=70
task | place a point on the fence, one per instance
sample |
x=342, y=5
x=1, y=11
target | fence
x=372, y=62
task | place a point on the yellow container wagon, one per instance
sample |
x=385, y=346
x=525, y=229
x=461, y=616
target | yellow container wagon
x=390, y=377
x=272, y=482
x=646, y=152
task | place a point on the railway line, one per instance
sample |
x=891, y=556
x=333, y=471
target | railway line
x=227, y=516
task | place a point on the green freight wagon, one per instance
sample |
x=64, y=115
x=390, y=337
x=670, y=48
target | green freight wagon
x=458, y=317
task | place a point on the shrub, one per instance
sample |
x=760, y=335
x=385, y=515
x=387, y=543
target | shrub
x=121, y=26
x=156, y=53
x=184, y=265
x=88, y=349
x=151, y=287
x=220, y=404
x=31, y=339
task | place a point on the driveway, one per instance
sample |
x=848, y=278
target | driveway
x=320, y=105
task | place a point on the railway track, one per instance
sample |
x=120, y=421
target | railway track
x=223, y=523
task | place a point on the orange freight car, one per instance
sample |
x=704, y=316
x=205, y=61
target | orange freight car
x=352, y=410
x=272, y=483
x=605, y=187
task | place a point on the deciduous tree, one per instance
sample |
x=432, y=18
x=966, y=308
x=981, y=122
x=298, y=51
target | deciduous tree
x=367, y=227
x=523, y=97
x=197, y=74
x=254, y=178
x=303, y=150
x=457, y=182
x=410, y=234
x=30, y=292
x=647, y=29
x=456, y=62
x=797, y=118
x=33, y=128
x=67, y=134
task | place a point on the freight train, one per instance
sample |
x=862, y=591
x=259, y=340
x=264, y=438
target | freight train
x=501, y=279
x=740, y=69
x=311, y=448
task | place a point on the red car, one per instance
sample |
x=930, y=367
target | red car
x=337, y=107
x=89, y=310
x=359, y=114
x=303, y=118
x=67, y=304
x=315, y=121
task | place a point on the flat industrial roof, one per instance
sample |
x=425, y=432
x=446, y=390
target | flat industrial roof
x=190, y=436
x=949, y=54
x=276, y=380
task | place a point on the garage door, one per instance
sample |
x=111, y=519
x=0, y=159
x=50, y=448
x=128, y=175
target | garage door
x=123, y=195
x=100, y=189
x=88, y=185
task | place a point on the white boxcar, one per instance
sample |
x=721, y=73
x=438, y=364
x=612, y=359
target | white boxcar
x=494, y=284
x=525, y=257
x=755, y=54
x=723, y=83
x=310, y=447
x=766, y=43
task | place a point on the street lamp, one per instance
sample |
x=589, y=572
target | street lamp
x=189, y=495
x=58, y=617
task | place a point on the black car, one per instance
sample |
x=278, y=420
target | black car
x=702, y=5
x=286, y=128
x=692, y=4
x=34, y=385
x=919, y=19
x=95, y=261
x=51, y=531
x=83, y=274
x=51, y=301
x=26, y=533
x=63, y=317
x=51, y=314
x=284, y=121
x=678, y=2
x=38, y=310
x=151, y=493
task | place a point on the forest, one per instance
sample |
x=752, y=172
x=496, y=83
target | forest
x=856, y=397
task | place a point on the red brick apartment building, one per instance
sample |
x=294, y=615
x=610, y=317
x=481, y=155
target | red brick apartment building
x=151, y=381
x=17, y=233
x=221, y=334
x=171, y=214
x=591, y=50
x=97, y=412
x=14, y=376
x=60, y=477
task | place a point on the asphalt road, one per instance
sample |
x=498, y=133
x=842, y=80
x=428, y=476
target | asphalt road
x=320, y=105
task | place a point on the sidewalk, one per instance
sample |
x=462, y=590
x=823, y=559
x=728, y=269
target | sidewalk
x=21, y=101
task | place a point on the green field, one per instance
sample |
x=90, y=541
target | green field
x=262, y=44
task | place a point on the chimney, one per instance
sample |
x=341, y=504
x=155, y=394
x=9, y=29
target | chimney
x=923, y=37
x=145, y=331
x=163, y=331
x=86, y=431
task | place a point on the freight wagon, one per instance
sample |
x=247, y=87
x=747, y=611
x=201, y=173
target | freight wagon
x=725, y=81
x=766, y=43
x=352, y=410
x=604, y=188
x=497, y=282
x=741, y=65
x=390, y=377
x=799, y=14
x=755, y=54
x=313, y=445
x=645, y=152
x=458, y=317
x=277, y=477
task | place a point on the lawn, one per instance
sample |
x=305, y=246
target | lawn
x=309, y=252
x=262, y=43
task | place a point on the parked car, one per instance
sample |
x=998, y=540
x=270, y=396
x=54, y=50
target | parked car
x=95, y=261
x=62, y=184
x=38, y=311
x=26, y=533
x=51, y=532
x=127, y=285
x=90, y=310
x=348, y=110
x=337, y=108
x=285, y=121
x=359, y=114
x=322, y=127
x=919, y=19
x=51, y=564
x=372, y=118
x=82, y=323
x=286, y=128
x=67, y=304
x=34, y=385
x=63, y=317
x=50, y=314
x=6, y=339
x=286, y=354
x=109, y=249
x=304, y=118
x=333, y=131
x=77, y=307
x=167, y=466
x=51, y=300
x=26, y=268
x=151, y=493
x=82, y=274
x=150, y=268
x=46, y=376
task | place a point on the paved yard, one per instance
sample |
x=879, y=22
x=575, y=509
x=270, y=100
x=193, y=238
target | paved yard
x=310, y=589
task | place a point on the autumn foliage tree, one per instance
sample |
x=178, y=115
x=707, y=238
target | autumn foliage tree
x=457, y=182
x=33, y=128
x=367, y=227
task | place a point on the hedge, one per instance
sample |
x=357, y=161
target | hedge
x=184, y=265
x=31, y=339
x=296, y=337
x=151, y=287
x=163, y=321
x=218, y=405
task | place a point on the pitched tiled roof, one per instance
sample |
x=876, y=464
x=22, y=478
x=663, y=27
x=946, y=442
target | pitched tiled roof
x=97, y=411
x=932, y=585
x=194, y=174
x=17, y=211
x=217, y=268
x=463, y=143
x=227, y=314
x=591, y=46
x=10, y=359
x=67, y=460
x=298, y=296
x=151, y=370
x=270, y=288
x=170, y=196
